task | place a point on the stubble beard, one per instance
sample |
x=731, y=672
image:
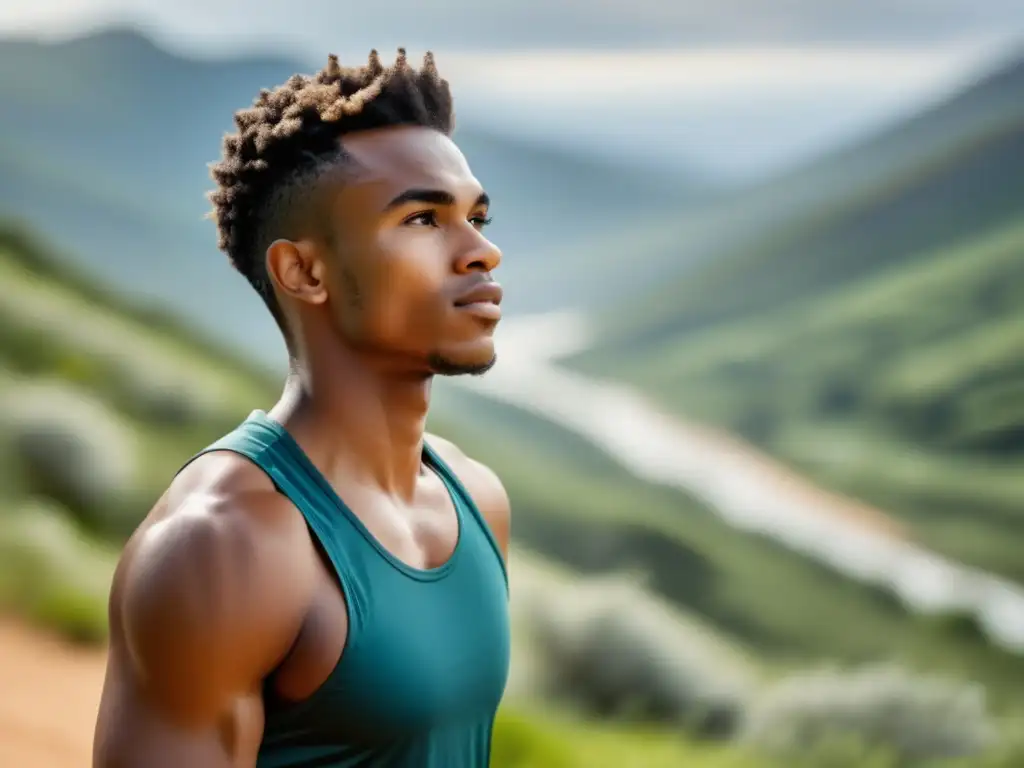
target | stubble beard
x=443, y=366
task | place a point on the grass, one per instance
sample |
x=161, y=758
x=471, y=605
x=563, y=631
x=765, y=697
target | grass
x=549, y=739
x=553, y=740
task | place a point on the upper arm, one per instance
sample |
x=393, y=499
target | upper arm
x=206, y=605
x=484, y=486
x=205, y=609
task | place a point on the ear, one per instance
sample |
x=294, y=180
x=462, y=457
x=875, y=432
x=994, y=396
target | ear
x=297, y=271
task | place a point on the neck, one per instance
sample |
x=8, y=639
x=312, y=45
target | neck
x=356, y=421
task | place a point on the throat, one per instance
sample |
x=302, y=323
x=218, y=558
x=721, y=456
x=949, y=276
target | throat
x=363, y=428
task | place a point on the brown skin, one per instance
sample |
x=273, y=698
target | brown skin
x=221, y=587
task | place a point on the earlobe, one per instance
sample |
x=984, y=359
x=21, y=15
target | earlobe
x=297, y=271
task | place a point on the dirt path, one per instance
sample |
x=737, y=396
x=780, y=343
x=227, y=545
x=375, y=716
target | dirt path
x=48, y=697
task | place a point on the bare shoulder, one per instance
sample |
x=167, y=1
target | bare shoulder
x=212, y=589
x=483, y=485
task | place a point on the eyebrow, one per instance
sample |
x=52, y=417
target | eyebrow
x=433, y=197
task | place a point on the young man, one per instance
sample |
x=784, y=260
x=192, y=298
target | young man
x=325, y=586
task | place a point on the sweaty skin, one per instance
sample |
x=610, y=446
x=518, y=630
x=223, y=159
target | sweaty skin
x=222, y=587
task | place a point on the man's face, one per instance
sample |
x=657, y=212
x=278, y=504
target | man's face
x=408, y=269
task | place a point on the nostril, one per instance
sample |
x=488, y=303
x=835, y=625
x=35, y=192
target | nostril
x=479, y=261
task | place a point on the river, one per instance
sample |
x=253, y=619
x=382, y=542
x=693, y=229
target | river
x=748, y=490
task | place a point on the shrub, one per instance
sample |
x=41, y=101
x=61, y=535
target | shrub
x=893, y=715
x=53, y=574
x=610, y=648
x=153, y=392
x=842, y=750
x=70, y=448
x=1007, y=753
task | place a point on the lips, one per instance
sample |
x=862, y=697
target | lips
x=482, y=302
x=485, y=293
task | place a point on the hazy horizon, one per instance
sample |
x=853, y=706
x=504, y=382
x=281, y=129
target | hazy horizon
x=740, y=105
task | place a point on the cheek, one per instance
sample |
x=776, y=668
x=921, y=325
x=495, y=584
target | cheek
x=400, y=295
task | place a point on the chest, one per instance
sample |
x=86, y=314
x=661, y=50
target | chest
x=384, y=654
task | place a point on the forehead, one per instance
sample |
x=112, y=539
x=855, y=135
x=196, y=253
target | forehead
x=387, y=161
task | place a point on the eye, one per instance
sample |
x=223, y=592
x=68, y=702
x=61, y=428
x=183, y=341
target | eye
x=480, y=221
x=424, y=218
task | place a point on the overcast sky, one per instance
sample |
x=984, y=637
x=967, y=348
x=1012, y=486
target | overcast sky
x=739, y=86
x=517, y=24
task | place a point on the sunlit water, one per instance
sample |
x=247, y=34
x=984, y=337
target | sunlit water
x=735, y=484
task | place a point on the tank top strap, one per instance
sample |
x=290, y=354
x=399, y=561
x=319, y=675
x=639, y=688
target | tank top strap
x=260, y=440
x=458, y=490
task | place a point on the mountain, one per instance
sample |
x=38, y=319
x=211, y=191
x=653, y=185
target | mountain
x=105, y=148
x=829, y=212
x=870, y=332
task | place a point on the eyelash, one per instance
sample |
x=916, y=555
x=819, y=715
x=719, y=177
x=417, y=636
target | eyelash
x=432, y=216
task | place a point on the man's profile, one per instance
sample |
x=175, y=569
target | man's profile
x=326, y=584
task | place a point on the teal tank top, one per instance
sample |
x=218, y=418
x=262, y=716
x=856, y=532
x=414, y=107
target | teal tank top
x=426, y=661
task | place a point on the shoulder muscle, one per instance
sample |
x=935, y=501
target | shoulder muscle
x=483, y=485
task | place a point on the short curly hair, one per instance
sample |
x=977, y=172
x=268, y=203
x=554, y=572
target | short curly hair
x=289, y=137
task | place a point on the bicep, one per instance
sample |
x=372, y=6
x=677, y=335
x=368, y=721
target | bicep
x=184, y=617
x=162, y=707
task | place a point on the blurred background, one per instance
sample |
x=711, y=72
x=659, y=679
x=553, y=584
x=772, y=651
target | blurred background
x=760, y=408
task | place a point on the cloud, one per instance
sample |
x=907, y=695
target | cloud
x=517, y=24
x=699, y=77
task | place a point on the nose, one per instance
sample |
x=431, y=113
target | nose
x=478, y=255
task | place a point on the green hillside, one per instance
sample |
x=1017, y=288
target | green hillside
x=106, y=143
x=103, y=400
x=874, y=342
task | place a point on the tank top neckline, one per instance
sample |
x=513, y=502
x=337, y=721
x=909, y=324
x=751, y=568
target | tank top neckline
x=430, y=459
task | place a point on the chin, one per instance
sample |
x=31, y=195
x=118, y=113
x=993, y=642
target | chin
x=462, y=364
